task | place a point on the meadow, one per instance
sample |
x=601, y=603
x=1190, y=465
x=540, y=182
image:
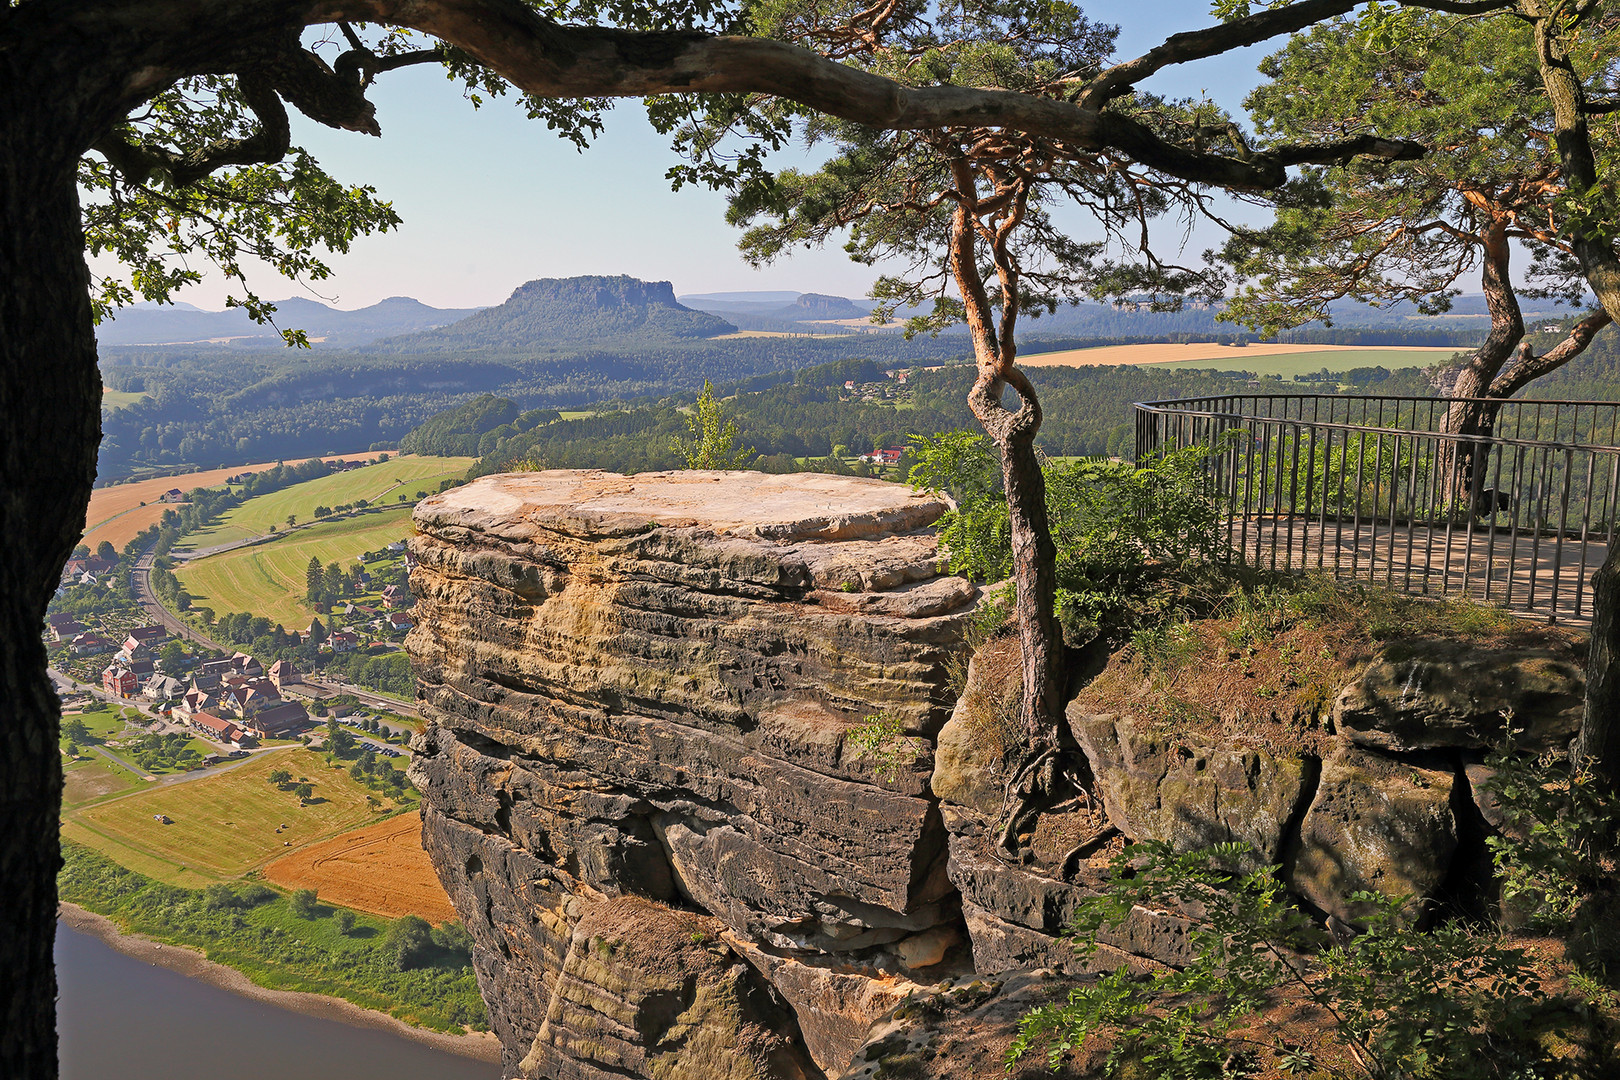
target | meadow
x=1336, y=361
x=223, y=825
x=1284, y=360
x=118, y=399
x=269, y=579
x=119, y=512
x=382, y=484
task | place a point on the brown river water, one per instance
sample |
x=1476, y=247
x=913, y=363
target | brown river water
x=118, y=1016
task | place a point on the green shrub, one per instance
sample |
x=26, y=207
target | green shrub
x=1452, y=1004
x=1109, y=519
x=409, y=942
x=302, y=903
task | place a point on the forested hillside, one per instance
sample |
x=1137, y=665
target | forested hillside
x=809, y=420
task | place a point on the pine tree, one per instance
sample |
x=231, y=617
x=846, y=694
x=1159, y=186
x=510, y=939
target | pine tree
x=312, y=580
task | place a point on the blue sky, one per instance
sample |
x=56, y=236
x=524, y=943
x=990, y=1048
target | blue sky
x=491, y=200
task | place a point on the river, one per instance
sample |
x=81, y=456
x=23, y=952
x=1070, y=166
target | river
x=119, y=1017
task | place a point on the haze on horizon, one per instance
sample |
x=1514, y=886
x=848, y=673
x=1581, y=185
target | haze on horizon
x=491, y=199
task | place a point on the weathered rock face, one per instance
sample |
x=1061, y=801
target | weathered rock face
x=1189, y=794
x=1452, y=694
x=647, y=991
x=644, y=686
x=1375, y=825
x=656, y=792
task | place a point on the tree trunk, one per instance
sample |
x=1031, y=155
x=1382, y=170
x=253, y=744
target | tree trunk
x=50, y=398
x=1464, y=464
x=1035, y=577
x=1599, y=740
x=1600, y=731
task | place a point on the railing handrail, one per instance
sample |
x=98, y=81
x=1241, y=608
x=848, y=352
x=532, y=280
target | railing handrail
x=1520, y=514
x=1156, y=408
x=1318, y=395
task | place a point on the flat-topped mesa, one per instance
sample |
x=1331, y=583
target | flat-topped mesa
x=646, y=685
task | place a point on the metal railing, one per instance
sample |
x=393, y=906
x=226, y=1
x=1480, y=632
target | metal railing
x=1375, y=488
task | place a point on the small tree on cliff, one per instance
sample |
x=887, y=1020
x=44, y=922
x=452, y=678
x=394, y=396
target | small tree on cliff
x=966, y=206
x=711, y=441
x=1415, y=230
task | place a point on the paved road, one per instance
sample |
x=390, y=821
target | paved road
x=141, y=582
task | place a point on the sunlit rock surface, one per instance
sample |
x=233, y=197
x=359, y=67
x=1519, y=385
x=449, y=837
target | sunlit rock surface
x=644, y=686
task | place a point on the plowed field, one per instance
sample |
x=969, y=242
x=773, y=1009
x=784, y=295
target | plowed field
x=116, y=514
x=380, y=868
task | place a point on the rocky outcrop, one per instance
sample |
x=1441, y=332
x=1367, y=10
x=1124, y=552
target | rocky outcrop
x=1187, y=792
x=1375, y=825
x=1429, y=695
x=648, y=991
x=645, y=687
x=698, y=782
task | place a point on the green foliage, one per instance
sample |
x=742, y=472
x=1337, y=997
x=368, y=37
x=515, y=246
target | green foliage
x=1389, y=1003
x=345, y=921
x=1383, y=232
x=408, y=942
x=1558, y=838
x=880, y=738
x=302, y=903
x=1109, y=519
x=279, y=777
x=975, y=535
x=159, y=225
x=711, y=441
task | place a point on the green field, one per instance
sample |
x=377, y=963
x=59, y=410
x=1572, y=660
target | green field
x=93, y=778
x=222, y=826
x=386, y=482
x=268, y=579
x=1308, y=363
x=117, y=399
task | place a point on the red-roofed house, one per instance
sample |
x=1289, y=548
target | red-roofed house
x=85, y=644
x=398, y=620
x=119, y=681
x=218, y=727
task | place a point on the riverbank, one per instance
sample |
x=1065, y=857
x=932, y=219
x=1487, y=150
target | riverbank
x=481, y=1046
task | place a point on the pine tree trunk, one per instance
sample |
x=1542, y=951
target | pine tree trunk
x=1464, y=464
x=1035, y=577
x=1599, y=740
x=50, y=404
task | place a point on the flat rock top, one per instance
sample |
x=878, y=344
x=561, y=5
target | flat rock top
x=784, y=508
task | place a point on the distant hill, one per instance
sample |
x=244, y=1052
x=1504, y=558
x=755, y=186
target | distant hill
x=183, y=324
x=565, y=313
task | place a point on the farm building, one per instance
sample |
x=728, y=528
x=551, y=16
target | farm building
x=283, y=673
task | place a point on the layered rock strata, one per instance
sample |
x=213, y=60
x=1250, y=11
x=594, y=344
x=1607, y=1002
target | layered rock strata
x=697, y=780
x=646, y=687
